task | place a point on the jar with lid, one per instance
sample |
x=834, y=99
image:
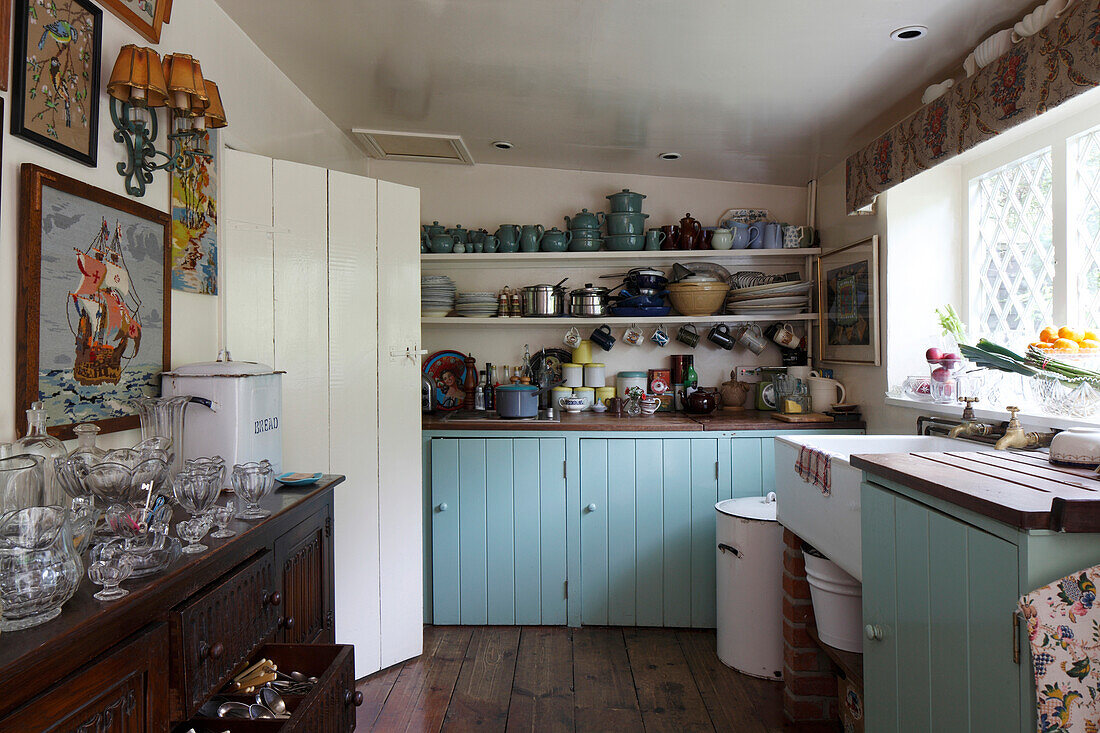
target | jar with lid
x=624, y=381
x=40, y=443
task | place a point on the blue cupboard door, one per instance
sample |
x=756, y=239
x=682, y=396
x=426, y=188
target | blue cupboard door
x=767, y=465
x=473, y=576
x=621, y=557
x=745, y=467
x=649, y=532
x=593, y=520
x=880, y=656
x=914, y=616
x=947, y=545
x=444, y=511
x=704, y=494
x=499, y=532
x=677, y=478
x=527, y=505
x=552, y=530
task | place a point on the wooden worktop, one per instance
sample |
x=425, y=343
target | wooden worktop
x=1017, y=488
x=659, y=422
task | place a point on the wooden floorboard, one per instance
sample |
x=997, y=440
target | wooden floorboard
x=667, y=694
x=604, y=694
x=484, y=689
x=422, y=693
x=542, y=692
x=545, y=679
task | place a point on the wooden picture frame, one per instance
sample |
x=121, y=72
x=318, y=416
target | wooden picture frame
x=55, y=82
x=87, y=255
x=5, y=43
x=147, y=25
x=849, y=327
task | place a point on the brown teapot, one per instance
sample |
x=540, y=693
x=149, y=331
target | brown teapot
x=733, y=393
x=691, y=233
x=701, y=402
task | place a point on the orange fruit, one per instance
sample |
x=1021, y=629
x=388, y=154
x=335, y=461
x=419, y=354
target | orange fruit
x=1048, y=335
x=1089, y=335
x=1065, y=332
x=1090, y=344
x=1041, y=345
x=1065, y=344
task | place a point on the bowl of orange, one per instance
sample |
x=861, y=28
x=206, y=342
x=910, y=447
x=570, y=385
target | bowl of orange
x=1067, y=341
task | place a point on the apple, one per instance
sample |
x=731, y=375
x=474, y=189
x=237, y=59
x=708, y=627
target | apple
x=933, y=354
x=941, y=374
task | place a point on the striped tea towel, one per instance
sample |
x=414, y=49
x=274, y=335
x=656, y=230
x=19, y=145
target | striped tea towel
x=813, y=467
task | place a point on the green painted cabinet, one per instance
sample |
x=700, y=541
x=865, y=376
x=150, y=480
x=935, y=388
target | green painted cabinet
x=498, y=530
x=938, y=596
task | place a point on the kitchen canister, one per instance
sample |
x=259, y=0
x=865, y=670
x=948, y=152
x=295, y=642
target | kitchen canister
x=625, y=380
x=573, y=374
x=588, y=394
x=582, y=352
x=604, y=393
x=558, y=393
x=594, y=375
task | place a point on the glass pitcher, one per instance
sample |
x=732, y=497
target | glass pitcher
x=40, y=443
x=162, y=417
x=22, y=482
x=39, y=566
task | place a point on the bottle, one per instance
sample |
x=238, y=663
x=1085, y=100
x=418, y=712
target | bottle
x=490, y=393
x=691, y=378
x=479, y=393
x=38, y=442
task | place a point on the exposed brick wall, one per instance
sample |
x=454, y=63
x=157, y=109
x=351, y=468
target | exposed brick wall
x=809, y=678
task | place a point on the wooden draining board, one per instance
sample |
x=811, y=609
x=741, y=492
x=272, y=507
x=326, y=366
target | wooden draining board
x=1020, y=489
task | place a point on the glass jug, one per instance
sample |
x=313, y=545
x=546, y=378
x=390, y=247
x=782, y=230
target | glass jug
x=39, y=567
x=21, y=482
x=40, y=443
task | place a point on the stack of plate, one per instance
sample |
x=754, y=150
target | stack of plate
x=476, y=305
x=437, y=295
x=770, y=300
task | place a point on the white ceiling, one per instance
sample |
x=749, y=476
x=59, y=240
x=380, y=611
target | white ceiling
x=772, y=91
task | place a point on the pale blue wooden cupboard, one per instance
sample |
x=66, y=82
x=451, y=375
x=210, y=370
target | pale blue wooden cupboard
x=569, y=527
x=943, y=648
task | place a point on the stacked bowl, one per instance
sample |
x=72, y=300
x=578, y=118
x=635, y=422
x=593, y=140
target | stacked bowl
x=626, y=222
x=476, y=305
x=585, y=228
x=437, y=296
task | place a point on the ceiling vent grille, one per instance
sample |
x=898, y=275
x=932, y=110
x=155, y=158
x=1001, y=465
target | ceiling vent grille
x=414, y=146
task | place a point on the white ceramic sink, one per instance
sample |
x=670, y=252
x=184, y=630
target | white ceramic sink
x=832, y=523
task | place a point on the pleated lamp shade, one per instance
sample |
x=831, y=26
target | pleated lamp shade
x=138, y=78
x=212, y=114
x=186, y=89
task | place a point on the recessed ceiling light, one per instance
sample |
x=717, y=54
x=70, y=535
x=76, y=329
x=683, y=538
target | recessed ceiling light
x=909, y=33
x=502, y=145
x=669, y=156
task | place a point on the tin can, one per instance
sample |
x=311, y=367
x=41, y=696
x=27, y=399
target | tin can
x=660, y=381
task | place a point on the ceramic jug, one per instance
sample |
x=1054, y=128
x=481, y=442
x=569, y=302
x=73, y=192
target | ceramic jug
x=508, y=237
x=756, y=234
x=823, y=393
x=740, y=231
x=721, y=239
x=773, y=236
x=691, y=233
x=530, y=237
x=672, y=237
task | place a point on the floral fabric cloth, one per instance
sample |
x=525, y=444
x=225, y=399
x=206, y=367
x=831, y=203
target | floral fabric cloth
x=813, y=466
x=1034, y=75
x=1063, y=626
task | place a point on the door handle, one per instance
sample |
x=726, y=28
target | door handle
x=729, y=548
x=590, y=508
x=873, y=632
x=442, y=507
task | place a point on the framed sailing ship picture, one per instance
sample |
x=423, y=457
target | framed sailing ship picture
x=94, y=302
x=55, y=76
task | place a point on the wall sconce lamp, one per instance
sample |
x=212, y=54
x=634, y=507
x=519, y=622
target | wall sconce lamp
x=140, y=83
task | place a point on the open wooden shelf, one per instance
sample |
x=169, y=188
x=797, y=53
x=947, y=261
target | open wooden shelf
x=467, y=260
x=609, y=320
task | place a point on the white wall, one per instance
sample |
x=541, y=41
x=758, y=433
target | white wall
x=267, y=114
x=490, y=195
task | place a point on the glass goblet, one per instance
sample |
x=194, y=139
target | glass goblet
x=252, y=482
x=191, y=531
x=196, y=490
x=223, y=515
x=109, y=573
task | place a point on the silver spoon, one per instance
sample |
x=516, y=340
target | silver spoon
x=271, y=700
x=232, y=709
x=259, y=712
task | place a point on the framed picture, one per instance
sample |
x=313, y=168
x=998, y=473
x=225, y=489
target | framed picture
x=195, y=222
x=5, y=43
x=94, y=302
x=55, y=80
x=144, y=16
x=847, y=291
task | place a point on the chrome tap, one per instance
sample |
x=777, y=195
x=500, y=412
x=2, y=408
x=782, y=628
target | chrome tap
x=969, y=425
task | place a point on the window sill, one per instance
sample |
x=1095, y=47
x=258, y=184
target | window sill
x=1036, y=420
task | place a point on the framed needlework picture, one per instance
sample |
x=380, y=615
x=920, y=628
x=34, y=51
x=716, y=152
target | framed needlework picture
x=144, y=16
x=55, y=76
x=195, y=221
x=94, y=302
x=848, y=312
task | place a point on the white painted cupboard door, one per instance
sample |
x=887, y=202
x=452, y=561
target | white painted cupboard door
x=353, y=410
x=247, y=257
x=301, y=311
x=399, y=447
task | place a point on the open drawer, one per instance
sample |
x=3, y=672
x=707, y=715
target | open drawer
x=328, y=708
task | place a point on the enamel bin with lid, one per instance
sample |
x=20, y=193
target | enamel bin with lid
x=244, y=420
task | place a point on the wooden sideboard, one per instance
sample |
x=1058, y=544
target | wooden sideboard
x=150, y=660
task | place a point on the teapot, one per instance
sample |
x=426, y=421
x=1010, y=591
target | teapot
x=442, y=243
x=555, y=240
x=461, y=235
x=585, y=219
x=691, y=233
x=434, y=228
x=701, y=402
x=733, y=393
